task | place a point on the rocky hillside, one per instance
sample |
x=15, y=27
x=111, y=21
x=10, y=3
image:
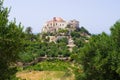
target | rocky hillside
x=69, y=35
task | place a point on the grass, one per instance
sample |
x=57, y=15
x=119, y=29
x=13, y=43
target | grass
x=43, y=75
x=48, y=70
x=49, y=66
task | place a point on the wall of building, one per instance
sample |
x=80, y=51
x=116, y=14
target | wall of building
x=59, y=23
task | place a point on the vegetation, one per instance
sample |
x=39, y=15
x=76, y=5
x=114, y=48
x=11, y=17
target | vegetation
x=10, y=44
x=101, y=56
x=43, y=75
x=61, y=70
x=95, y=57
x=53, y=65
x=35, y=50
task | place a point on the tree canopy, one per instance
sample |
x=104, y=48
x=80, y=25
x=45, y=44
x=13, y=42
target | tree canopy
x=10, y=43
x=101, y=56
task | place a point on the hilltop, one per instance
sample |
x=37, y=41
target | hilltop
x=57, y=30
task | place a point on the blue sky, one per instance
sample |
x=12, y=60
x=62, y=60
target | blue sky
x=95, y=15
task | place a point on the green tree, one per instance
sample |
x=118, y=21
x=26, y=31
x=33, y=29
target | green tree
x=79, y=42
x=28, y=30
x=115, y=56
x=82, y=29
x=63, y=40
x=94, y=58
x=10, y=44
x=75, y=34
x=115, y=33
x=101, y=56
x=28, y=34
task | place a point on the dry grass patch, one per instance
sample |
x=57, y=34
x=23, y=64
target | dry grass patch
x=44, y=75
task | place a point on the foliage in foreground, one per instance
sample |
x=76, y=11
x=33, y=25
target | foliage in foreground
x=101, y=56
x=10, y=44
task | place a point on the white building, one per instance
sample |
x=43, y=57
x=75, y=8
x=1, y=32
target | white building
x=58, y=23
x=74, y=23
x=54, y=25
